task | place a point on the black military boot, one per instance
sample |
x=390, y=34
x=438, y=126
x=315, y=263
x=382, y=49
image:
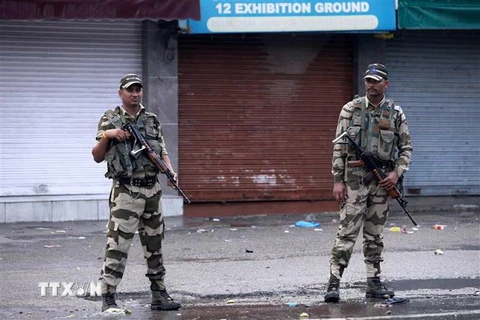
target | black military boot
x=376, y=289
x=333, y=291
x=161, y=300
x=108, y=301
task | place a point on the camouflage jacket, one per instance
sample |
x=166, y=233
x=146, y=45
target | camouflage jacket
x=119, y=161
x=384, y=134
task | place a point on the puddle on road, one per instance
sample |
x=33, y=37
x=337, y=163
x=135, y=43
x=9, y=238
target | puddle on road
x=441, y=307
x=444, y=284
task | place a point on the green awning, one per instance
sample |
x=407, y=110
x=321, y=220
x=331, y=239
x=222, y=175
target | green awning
x=439, y=14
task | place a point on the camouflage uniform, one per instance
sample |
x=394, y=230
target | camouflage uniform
x=133, y=207
x=382, y=132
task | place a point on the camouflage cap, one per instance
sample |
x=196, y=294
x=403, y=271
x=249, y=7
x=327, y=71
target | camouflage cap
x=130, y=79
x=376, y=71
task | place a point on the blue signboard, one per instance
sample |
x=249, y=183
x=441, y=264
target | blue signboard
x=240, y=16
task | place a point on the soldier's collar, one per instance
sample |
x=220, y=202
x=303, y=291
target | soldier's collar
x=378, y=105
x=123, y=111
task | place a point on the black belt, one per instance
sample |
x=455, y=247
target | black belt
x=145, y=182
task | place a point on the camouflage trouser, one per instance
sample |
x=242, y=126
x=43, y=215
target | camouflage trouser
x=131, y=209
x=366, y=206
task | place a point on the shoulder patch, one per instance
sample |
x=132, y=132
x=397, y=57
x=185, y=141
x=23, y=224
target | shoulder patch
x=114, y=112
x=350, y=106
x=397, y=108
x=357, y=102
x=113, y=117
x=150, y=114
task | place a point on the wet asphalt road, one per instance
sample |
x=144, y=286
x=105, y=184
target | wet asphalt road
x=255, y=267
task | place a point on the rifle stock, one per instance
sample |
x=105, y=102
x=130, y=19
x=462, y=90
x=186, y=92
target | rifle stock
x=379, y=174
x=154, y=158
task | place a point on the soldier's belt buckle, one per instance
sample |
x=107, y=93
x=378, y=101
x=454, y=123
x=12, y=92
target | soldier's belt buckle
x=145, y=182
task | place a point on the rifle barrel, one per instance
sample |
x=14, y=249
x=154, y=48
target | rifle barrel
x=406, y=212
x=155, y=159
x=379, y=174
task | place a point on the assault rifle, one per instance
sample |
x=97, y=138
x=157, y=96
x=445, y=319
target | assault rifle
x=154, y=157
x=378, y=173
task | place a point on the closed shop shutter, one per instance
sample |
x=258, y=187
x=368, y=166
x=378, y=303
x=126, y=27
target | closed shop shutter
x=57, y=79
x=435, y=77
x=258, y=112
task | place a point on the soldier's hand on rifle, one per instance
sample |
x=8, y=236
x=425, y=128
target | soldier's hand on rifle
x=117, y=134
x=175, y=177
x=390, y=181
x=340, y=192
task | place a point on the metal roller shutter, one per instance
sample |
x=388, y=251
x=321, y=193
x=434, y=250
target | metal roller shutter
x=57, y=79
x=435, y=77
x=257, y=114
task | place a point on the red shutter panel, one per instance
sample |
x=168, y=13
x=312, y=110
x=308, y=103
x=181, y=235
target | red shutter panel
x=257, y=114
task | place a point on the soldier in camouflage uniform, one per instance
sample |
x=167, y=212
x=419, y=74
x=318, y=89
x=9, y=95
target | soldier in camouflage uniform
x=135, y=195
x=380, y=128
